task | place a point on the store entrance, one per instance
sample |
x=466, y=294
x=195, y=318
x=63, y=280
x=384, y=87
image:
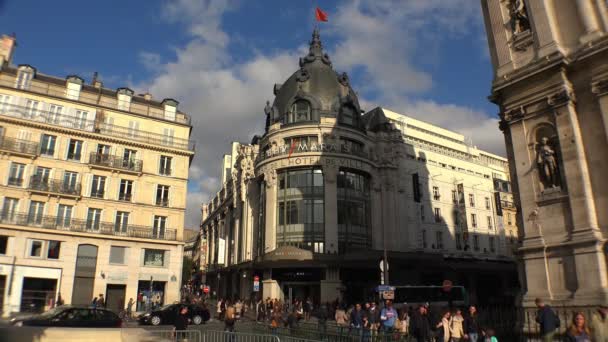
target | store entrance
x=37, y=294
x=115, y=297
x=301, y=291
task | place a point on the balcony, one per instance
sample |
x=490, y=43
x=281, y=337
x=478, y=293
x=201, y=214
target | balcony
x=14, y=181
x=19, y=147
x=94, y=126
x=107, y=161
x=124, y=197
x=84, y=226
x=54, y=186
x=163, y=202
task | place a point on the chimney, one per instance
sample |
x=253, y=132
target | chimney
x=148, y=96
x=97, y=84
x=7, y=47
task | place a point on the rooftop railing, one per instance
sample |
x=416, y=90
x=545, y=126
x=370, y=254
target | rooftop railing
x=96, y=126
x=94, y=98
x=87, y=226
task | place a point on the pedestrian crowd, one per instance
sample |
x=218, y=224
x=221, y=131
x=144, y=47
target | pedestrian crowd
x=581, y=328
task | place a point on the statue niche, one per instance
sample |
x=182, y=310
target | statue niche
x=547, y=158
x=519, y=16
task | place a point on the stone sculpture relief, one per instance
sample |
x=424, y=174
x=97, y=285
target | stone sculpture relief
x=548, y=168
x=519, y=16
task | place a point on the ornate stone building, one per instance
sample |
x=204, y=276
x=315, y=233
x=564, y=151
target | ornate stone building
x=550, y=63
x=310, y=205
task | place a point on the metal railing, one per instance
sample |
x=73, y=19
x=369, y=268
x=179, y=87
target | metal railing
x=189, y=335
x=86, y=226
x=19, y=145
x=115, y=162
x=14, y=181
x=56, y=186
x=95, y=99
x=96, y=126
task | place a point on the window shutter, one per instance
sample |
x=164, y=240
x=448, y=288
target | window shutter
x=56, y=153
x=66, y=149
x=107, y=187
x=84, y=154
x=88, y=184
x=134, y=191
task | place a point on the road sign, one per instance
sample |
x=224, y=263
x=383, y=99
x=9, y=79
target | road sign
x=390, y=294
x=447, y=285
x=206, y=289
x=256, y=278
x=256, y=284
x=382, y=288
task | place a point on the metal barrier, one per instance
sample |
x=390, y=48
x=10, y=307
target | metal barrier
x=227, y=336
x=175, y=335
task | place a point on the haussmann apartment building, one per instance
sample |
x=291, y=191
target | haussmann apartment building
x=93, y=186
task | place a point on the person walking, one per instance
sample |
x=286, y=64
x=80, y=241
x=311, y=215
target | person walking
x=471, y=328
x=547, y=319
x=181, y=324
x=322, y=316
x=578, y=331
x=404, y=323
x=130, y=308
x=341, y=317
x=366, y=330
x=456, y=327
x=388, y=315
x=101, y=302
x=229, y=317
x=94, y=303
x=59, y=300
x=356, y=320
x=599, y=324
x=443, y=327
x=420, y=327
x=373, y=315
x=276, y=319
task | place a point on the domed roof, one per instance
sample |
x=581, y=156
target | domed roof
x=327, y=91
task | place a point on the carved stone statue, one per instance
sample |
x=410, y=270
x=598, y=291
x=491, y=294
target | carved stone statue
x=519, y=16
x=548, y=169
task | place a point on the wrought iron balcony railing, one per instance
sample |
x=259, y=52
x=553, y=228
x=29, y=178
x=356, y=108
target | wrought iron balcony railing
x=19, y=146
x=163, y=202
x=56, y=186
x=14, y=181
x=97, y=126
x=115, y=162
x=86, y=226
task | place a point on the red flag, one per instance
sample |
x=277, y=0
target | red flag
x=320, y=15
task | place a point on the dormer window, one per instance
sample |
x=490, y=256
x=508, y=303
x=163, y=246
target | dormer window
x=24, y=77
x=300, y=111
x=347, y=115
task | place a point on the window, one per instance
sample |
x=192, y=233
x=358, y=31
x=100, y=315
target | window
x=69, y=181
x=9, y=209
x=117, y=255
x=160, y=224
x=354, y=217
x=436, y=195
x=125, y=191
x=121, y=222
x=438, y=217
x=492, y=245
x=439, y=240
x=98, y=186
x=165, y=165
x=35, y=213
x=81, y=119
x=474, y=220
x=3, y=244
x=103, y=150
x=15, y=176
x=55, y=112
x=489, y=219
x=53, y=250
x=348, y=115
x=154, y=257
x=74, y=150
x=417, y=188
x=509, y=219
x=487, y=203
x=64, y=215
x=128, y=158
x=24, y=79
x=47, y=145
x=5, y=101
x=300, y=111
x=31, y=108
x=35, y=249
x=168, y=134
x=424, y=239
x=471, y=200
x=458, y=241
x=42, y=175
x=133, y=128
x=93, y=219
x=476, y=242
x=454, y=197
x=422, y=217
x=302, y=143
x=162, y=195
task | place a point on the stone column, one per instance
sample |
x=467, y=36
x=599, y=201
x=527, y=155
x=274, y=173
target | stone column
x=271, y=211
x=600, y=88
x=330, y=287
x=330, y=174
x=271, y=287
x=588, y=15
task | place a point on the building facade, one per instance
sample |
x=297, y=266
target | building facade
x=310, y=206
x=550, y=62
x=92, y=192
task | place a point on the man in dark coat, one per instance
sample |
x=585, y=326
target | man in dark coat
x=181, y=323
x=548, y=320
x=420, y=327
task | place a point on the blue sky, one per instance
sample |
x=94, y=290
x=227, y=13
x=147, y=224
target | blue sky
x=219, y=58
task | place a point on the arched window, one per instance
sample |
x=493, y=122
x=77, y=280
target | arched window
x=348, y=115
x=300, y=111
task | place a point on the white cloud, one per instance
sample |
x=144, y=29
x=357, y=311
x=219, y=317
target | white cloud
x=381, y=38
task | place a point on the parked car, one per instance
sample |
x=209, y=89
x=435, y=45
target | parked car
x=71, y=316
x=166, y=315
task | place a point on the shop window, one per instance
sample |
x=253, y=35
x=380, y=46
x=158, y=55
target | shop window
x=154, y=257
x=35, y=248
x=117, y=255
x=53, y=249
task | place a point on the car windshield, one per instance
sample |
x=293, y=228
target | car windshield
x=51, y=312
x=167, y=307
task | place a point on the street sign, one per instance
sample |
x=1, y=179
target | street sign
x=447, y=285
x=382, y=288
x=256, y=284
x=206, y=289
x=390, y=294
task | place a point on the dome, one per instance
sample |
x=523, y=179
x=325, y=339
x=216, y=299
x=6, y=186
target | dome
x=315, y=91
